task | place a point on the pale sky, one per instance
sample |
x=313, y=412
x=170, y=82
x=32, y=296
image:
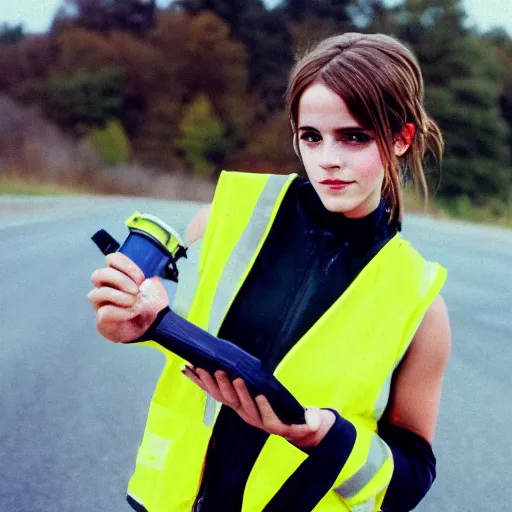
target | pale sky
x=36, y=15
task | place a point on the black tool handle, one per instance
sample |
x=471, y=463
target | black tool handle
x=203, y=350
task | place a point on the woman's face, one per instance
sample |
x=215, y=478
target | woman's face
x=341, y=157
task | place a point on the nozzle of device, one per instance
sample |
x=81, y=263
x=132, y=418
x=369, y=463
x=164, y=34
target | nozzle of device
x=151, y=243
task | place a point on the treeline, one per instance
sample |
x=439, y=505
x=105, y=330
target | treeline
x=200, y=85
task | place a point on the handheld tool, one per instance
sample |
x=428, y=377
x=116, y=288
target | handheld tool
x=155, y=247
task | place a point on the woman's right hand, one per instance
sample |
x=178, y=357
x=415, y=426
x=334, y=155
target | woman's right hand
x=125, y=302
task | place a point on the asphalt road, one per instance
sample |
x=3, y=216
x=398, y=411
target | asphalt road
x=73, y=406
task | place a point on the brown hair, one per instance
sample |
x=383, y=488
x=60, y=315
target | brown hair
x=380, y=81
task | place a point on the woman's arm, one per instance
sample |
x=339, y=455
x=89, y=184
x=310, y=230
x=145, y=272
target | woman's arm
x=416, y=390
x=197, y=226
x=409, y=425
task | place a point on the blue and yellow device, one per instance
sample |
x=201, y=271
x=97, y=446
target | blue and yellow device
x=152, y=244
x=155, y=247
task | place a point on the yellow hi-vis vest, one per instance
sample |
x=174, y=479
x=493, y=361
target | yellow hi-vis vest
x=345, y=361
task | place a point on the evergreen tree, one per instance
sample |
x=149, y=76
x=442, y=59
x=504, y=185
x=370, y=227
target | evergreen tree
x=502, y=43
x=11, y=34
x=462, y=76
x=336, y=10
x=85, y=99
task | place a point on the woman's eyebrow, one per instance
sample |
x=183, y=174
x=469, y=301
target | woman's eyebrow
x=342, y=129
x=356, y=128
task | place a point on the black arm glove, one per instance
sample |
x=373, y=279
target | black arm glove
x=414, y=468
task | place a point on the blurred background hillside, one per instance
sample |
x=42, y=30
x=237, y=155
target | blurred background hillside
x=126, y=97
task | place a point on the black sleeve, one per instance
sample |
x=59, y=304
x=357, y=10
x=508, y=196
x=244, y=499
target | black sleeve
x=414, y=468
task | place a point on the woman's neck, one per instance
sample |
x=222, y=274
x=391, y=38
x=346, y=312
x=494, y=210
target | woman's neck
x=335, y=222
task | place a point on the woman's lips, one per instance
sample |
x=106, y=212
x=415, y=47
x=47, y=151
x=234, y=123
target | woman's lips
x=336, y=184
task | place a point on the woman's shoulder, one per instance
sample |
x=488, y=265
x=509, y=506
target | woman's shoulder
x=418, y=381
x=197, y=225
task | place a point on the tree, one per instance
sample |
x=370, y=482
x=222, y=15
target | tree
x=156, y=142
x=85, y=100
x=80, y=48
x=106, y=15
x=336, y=10
x=25, y=67
x=270, y=45
x=11, y=34
x=269, y=148
x=502, y=44
x=111, y=143
x=144, y=67
x=310, y=31
x=462, y=77
x=202, y=136
x=267, y=39
x=198, y=58
x=372, y=16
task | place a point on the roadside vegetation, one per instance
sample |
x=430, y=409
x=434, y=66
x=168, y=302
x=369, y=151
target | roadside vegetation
x=120, y=97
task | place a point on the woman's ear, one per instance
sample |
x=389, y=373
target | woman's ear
x=404, y=140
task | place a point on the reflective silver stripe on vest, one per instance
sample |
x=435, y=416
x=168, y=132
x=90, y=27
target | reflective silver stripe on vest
x=377, y=456
x=429, y=276
x=383, y=398
x=367, y=506
x=188, y=280
x=237, y=264
x=244, y=251
x=210, y=409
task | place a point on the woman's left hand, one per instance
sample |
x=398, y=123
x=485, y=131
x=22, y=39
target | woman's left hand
x=258, y=412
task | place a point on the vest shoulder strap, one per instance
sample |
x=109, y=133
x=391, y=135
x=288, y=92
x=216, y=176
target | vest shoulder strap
x=243, y=208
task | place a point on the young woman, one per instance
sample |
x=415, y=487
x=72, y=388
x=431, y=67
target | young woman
x=312, y=277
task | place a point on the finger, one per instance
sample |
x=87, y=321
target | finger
x=193, y=377
x=227, y=390
x=152, y=290
x=313, y=418
x=318, y=423
x=209, y=383
x=99, y=297
x=192, y=370
x=125, y=265
x=247, y=403
x=115, y=279
x=273, y=423
x=269, y=418
x=114, y=315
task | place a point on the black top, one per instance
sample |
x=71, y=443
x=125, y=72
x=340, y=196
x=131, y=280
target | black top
x=309, y=259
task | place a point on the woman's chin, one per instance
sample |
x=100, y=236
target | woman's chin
x=337, y=204
x=350, y=209
x=350, y=205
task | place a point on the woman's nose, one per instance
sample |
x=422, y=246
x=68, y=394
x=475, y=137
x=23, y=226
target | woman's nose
x=330, y=157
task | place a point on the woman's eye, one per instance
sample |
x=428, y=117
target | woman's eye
x=310, y=137
x=357, y=137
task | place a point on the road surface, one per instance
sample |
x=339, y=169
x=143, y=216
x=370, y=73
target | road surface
x=73, y=406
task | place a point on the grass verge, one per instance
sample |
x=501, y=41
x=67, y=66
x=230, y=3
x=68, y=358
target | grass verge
x=24, y=188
